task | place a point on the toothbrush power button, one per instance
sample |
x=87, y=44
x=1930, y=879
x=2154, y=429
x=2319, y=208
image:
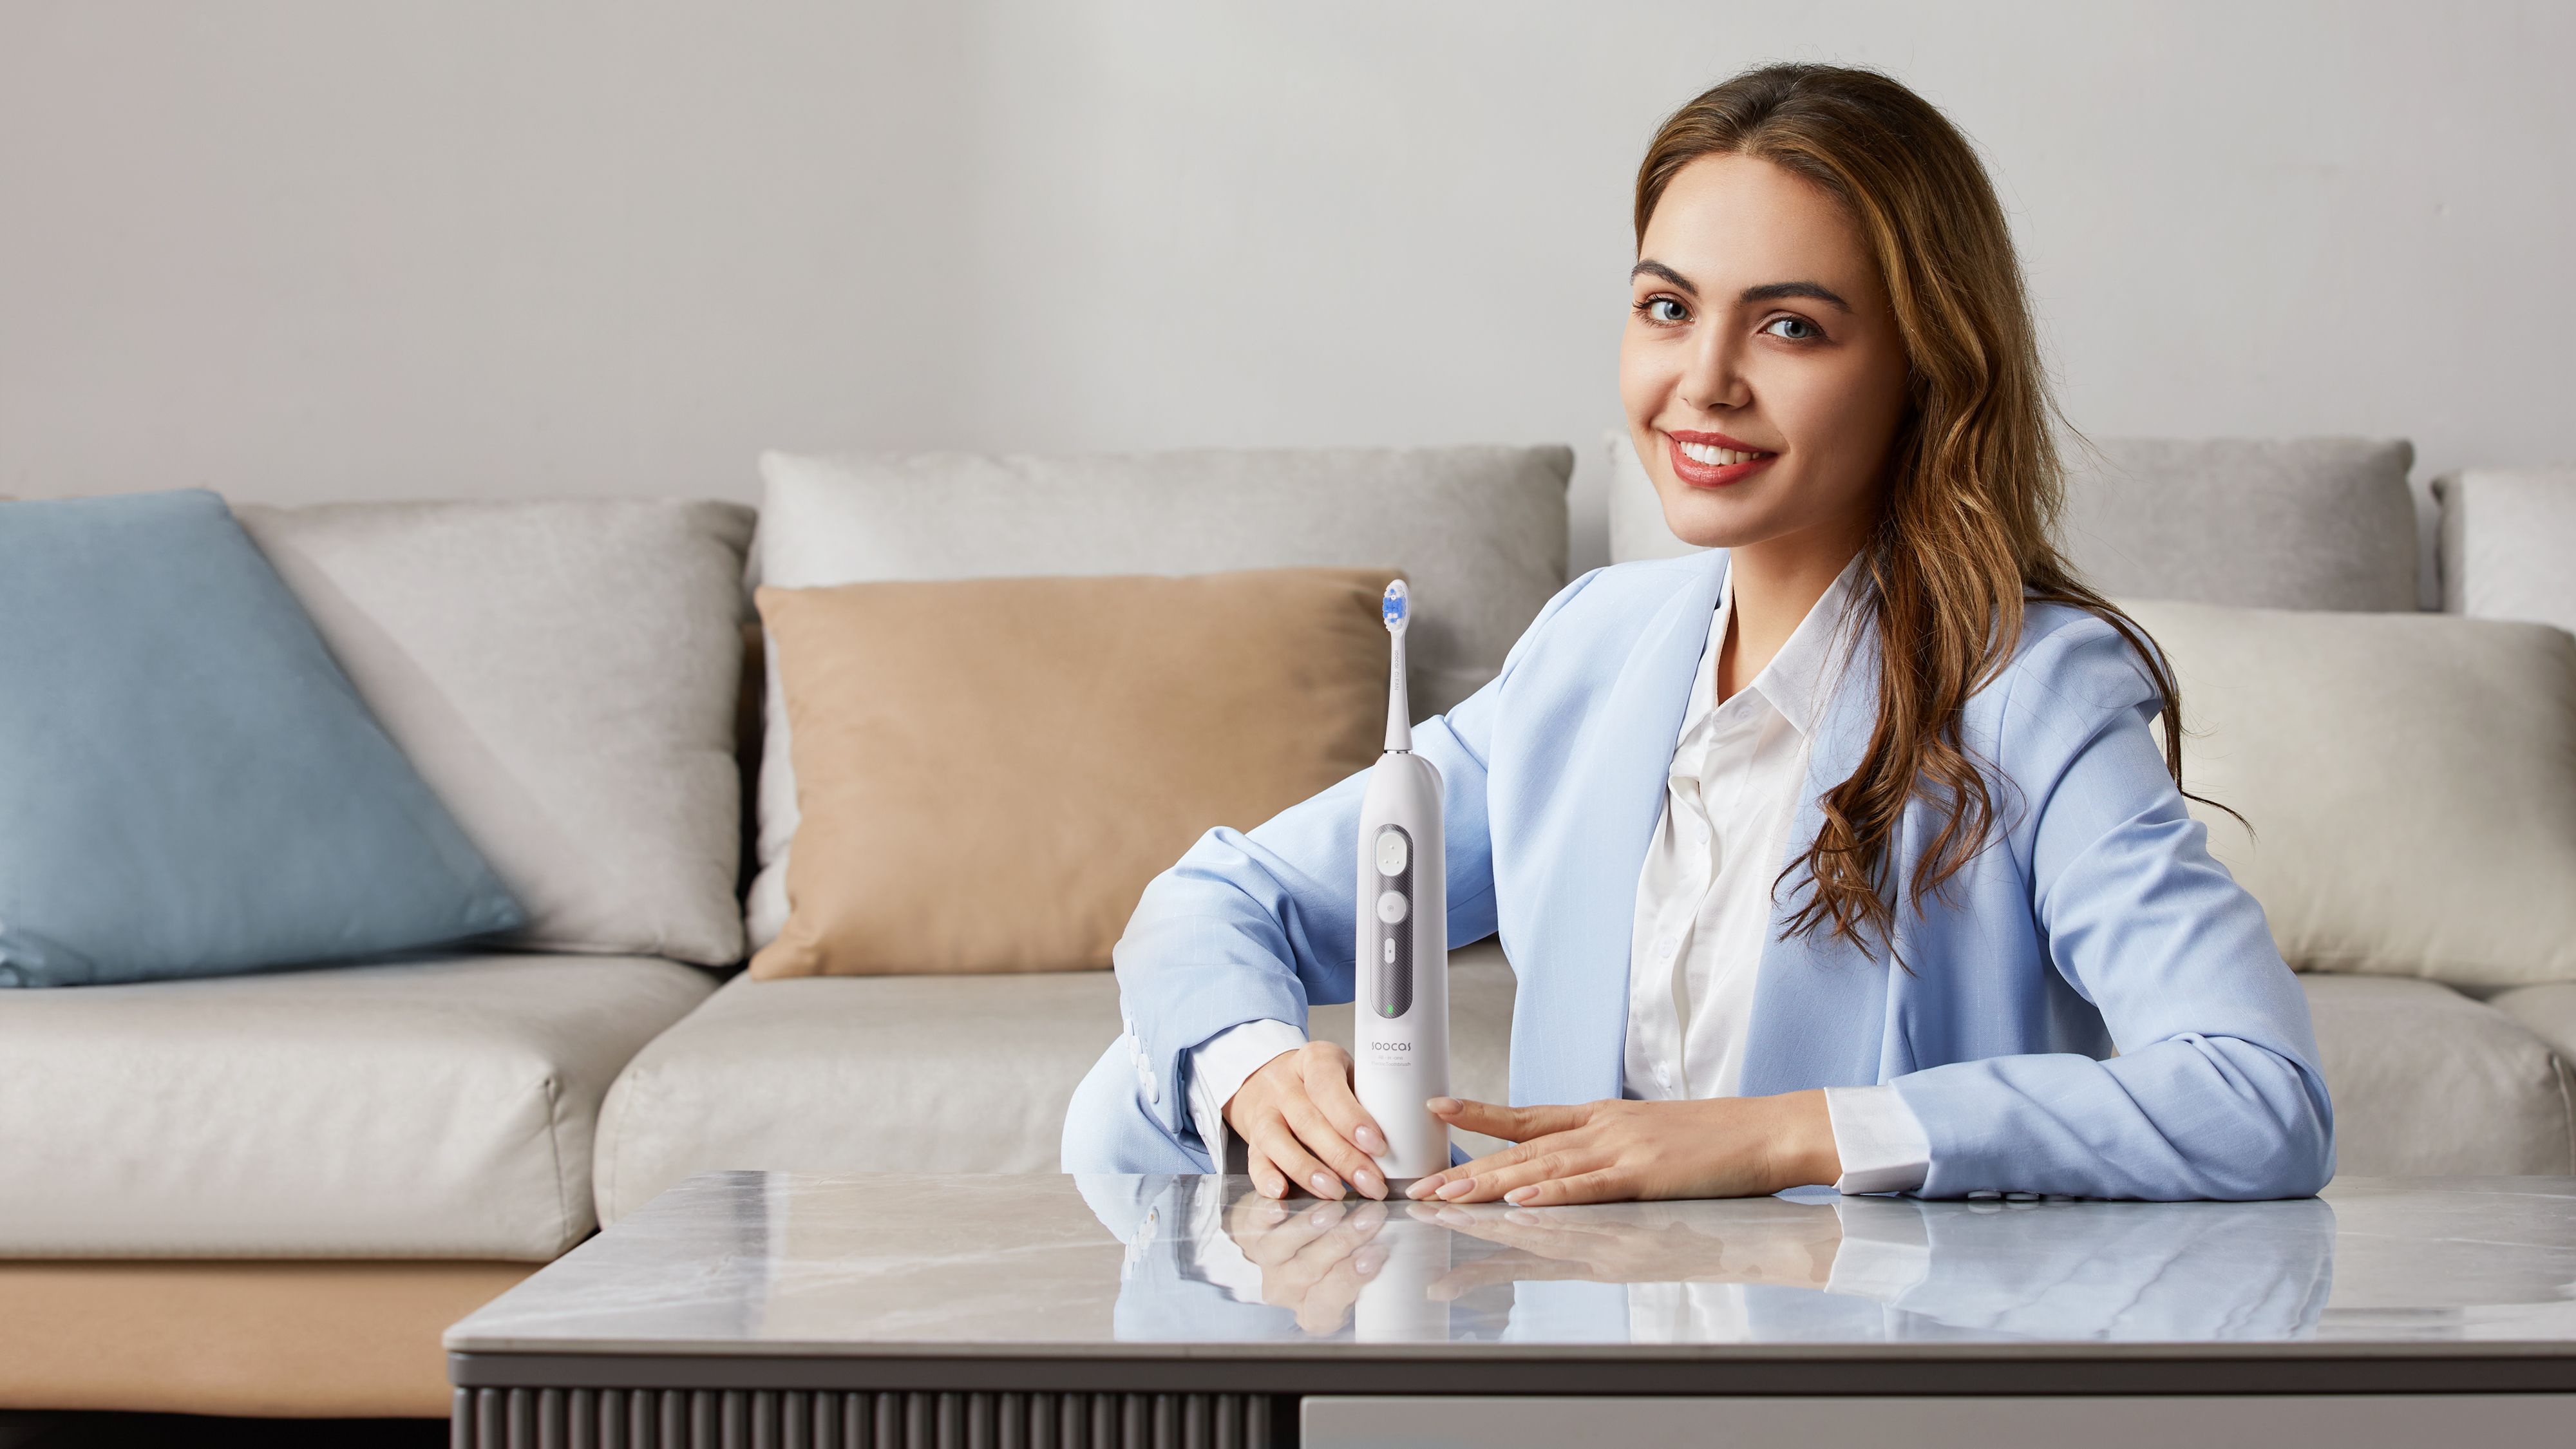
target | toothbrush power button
x=1390, y=908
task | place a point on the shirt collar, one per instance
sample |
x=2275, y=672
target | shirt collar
x=1799, y=677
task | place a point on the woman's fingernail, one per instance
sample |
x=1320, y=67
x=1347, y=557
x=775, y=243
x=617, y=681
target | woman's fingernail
x=1520, y=1195
x=1367, y=1181
x=1457, y=1189
x=1369, y=1141
x=1323, y=1184
x=1369, y=1259
x=1442, y=1105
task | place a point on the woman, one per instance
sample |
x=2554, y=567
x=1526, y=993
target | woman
x=1845, y=855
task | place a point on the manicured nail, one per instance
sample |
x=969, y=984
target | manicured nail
x=1369, y=1140
x=1367, y=1182
x=1519, y=1195
x=1442, y=1105
x=1320, y=1218
x=1458, y=1189
x=1369, y=1259
x=1324, y=1185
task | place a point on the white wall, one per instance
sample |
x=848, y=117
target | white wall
x=304, y=249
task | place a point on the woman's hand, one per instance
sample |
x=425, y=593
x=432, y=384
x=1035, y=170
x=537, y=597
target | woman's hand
x=1300, y=1123
x=1613, y=1150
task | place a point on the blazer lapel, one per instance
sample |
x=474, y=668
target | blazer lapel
x=1569, y=1042
x=1820, y=1004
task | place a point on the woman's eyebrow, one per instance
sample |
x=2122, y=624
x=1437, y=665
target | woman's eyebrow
x=1768, y=292
x=1774, y=291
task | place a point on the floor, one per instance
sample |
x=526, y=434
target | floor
x=184, y=1431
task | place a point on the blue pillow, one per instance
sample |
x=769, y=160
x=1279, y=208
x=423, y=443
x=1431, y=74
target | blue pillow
x=188, y=784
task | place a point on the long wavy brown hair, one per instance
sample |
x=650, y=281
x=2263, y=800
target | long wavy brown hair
x=1968, y=534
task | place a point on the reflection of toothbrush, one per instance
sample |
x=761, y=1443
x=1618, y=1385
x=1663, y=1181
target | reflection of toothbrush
x=1402, y=1020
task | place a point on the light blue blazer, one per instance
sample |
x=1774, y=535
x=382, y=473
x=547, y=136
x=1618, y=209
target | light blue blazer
x=2093, y=1006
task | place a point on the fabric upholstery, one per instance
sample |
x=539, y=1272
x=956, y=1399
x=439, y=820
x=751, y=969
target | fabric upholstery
x=564, y=674
x=188, y=785
x=2410, y=780
x=339, y=1339
x=2312, y=523
x=2427, y=1082
x=440, y=1108
x=915, y=1073
x=2507, y=543
x=1479, y=531
x=989, y=770
x=2302, y=523
x=2547, y=1012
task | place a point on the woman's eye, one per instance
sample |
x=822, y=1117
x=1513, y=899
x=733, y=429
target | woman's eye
x=1663, y=311
x=1793, y=329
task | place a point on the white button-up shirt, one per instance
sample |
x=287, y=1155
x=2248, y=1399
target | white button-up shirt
x=1703, y=909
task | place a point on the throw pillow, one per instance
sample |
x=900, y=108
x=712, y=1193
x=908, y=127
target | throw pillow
x=2410, y=780
x=988, y=772
x=564, y=673
x=188, y=784
x=1479, y=531
x=2506, y=537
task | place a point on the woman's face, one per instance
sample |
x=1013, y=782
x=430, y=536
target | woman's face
x=1762, y=371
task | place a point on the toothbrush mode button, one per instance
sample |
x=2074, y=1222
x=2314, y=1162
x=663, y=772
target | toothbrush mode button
x=1390, y=908
x=1391, y=852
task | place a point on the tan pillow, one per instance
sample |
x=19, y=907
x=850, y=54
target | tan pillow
x=988, y=771
x=2411, y=781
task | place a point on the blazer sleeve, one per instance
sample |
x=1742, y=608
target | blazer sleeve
x=2215, y=1092
x=1259, y=924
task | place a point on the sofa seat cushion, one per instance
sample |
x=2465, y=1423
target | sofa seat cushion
x=433, y=1108
x=2427, y=1082
x=915, y=1073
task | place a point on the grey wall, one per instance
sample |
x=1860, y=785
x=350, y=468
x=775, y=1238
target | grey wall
x=303, y=249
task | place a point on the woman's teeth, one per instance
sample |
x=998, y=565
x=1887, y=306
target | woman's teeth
x=1713, y=455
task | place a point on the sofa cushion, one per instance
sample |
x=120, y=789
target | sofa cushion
x=2312, y=523
x=2293, y=523
x=2410, y=780
x=2427, y=1082
x=917, y=1073
x=990, y=770
x=438, y=1108
x=1479, y=531
x=2506, y=542
x=564, y=673
x=188, y=787
x=2547, y=1012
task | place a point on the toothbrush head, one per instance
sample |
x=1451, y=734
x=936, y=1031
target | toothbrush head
x=1394, y=607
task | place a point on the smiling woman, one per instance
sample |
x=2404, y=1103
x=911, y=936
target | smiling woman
x=1843, y=853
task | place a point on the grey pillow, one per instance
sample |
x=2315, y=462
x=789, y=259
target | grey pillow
x=2306, y=523
x=1480, y=532
x=564, y=674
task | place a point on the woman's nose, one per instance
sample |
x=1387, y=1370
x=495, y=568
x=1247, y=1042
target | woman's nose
x=1714, y=379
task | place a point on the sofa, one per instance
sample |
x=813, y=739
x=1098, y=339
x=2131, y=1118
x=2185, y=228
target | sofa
x=267, y=1194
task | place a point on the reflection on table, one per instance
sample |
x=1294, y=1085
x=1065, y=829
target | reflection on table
x=1209, y=1260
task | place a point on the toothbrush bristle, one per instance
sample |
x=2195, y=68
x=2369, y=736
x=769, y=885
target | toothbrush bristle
x=1394, y=605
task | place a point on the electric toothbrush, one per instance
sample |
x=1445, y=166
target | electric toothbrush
x=1401, y=1020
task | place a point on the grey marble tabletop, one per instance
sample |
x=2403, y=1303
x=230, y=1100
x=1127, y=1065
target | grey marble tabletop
x=1047, y=1266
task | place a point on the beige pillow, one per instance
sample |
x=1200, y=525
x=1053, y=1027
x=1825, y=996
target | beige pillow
x=988, y=771
x=2411, y=781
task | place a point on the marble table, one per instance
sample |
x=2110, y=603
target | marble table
x=762, y=1308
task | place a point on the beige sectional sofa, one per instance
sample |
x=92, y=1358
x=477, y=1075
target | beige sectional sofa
x=268, y=1194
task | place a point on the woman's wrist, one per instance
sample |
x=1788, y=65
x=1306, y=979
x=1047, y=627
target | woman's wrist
x=1803, y=1140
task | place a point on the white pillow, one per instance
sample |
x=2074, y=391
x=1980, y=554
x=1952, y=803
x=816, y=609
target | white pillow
x=2509, y=544
x=2410, y=778
x=565, y=675
x=1480, y=532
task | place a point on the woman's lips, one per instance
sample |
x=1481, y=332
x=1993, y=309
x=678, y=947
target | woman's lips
x=1697, y=474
